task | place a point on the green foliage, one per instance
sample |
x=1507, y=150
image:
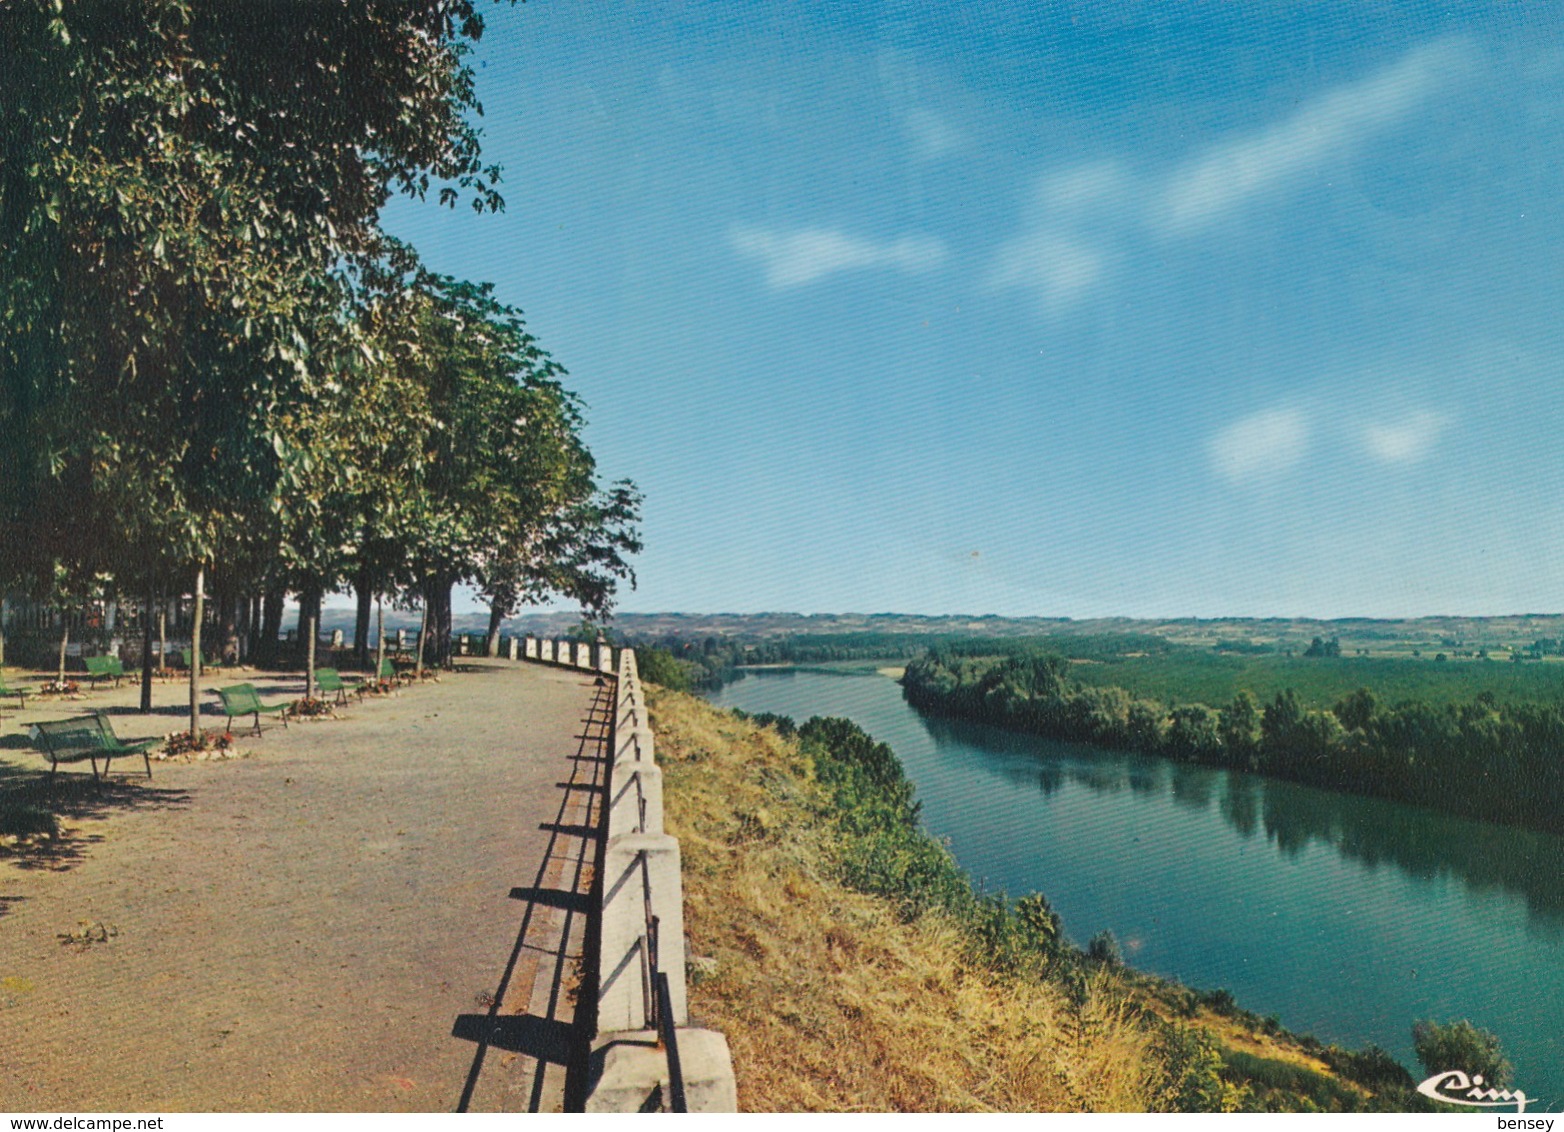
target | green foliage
x=1503, y=755
x=1283, y=1086
x=1443, y=1047
x=1104, y=949
x=659, y=666
x=1371, y=1067
x=1194, y=1081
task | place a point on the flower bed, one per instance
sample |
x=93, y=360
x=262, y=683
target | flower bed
x=206, y=745
x=310, y=708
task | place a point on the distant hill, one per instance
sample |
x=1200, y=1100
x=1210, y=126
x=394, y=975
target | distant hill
x=1238, y=633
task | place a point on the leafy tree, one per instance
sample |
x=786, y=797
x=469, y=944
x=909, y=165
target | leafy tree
x=1240, y=726
x=1356, y=711
x=1443, y=1047
x=1040, y=924
x=1104, y=948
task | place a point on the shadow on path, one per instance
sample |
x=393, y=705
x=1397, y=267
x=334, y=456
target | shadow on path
x=544, y=1007
x=32, y=804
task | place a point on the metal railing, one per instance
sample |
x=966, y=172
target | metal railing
x=660, y=999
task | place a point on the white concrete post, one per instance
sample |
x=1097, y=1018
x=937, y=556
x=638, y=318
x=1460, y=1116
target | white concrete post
x=623, y=971
x=515, y=648
x=637, y=790
x=634, y=744
x=530, y=647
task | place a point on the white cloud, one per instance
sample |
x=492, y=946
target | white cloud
x=1261, y=445
x=1083, y=187
x=931, y=134
x=1057, y=254
x=1405, y=441
x=1057, y=267
x=792, y=259
x=1083, y=218
x=1231, y=173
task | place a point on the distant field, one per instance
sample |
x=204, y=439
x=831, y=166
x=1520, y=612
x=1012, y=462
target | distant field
x=1213, y=679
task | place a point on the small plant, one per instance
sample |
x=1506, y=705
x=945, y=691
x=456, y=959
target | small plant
x=310, y=707
x=378, y=687
x=87, y=933
x=59, y=688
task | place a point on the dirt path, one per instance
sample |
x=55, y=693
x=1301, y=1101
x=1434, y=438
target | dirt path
x=305, y=928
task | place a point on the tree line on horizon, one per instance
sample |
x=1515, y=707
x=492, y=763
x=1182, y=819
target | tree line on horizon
x=220, y=375
x=1497, y=762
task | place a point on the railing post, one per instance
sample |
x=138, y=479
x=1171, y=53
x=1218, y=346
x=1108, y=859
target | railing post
x=622, y=1003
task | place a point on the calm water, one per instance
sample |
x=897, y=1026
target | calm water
x=1347, y=917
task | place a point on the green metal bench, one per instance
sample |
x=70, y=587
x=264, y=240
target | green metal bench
x=104, y=668
x=16, y=690
x=329, y=681
x=242, y=699
x=89, y=737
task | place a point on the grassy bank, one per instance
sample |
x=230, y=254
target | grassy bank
x=851, y=966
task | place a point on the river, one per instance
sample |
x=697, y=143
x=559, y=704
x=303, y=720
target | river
x=1346, y=917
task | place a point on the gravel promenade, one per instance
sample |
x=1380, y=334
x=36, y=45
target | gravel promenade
x=344, y=918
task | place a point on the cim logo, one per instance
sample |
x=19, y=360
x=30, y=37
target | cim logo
x=1454, y=1087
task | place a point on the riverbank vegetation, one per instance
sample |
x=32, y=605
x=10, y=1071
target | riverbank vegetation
x=688, y=664
x=1482, y=758
x=853, y=967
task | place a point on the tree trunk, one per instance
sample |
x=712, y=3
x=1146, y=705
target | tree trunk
x=65, y=638
x=195, y=653
x=423, y=634
x=438, y=603
x=380, y=636
x=253, y=629
x=496, y=619
x=3, y=606
x=309, y=614
x=271, y=625
x=146, y=652
x=162, y=634
x=366, y=598
x=309, y=648
x=228, y=626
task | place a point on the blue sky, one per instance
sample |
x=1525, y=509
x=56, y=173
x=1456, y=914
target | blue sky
x=1070, y=309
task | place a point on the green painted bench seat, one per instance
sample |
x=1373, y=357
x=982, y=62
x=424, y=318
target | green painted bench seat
x=89, y=737
x=242, y=699
x=329, y=681
x=16, y=690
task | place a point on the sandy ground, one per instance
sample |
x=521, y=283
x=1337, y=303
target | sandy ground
x=331, y=922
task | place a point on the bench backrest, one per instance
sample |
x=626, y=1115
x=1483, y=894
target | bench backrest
x=67, y=738
x=329, y=680
x=104, y=665
x=240, y=698
x=387, y=670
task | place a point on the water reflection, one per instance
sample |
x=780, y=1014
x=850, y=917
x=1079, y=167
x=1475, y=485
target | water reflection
x=1422, y=843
